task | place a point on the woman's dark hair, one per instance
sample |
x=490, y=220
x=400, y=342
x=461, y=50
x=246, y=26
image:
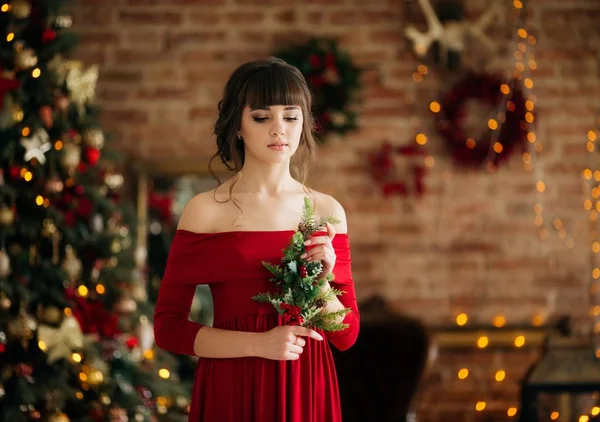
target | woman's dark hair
x=258, y=84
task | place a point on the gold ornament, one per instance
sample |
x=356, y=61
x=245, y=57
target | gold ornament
x=59, y=417
x=50, y=314
x=25, y=58
x=118, y=414
x=11, y=113
x=71, y=265
x=4, y=302
x=63, y=21
x=20, y=9
x=97, y=371
x=71, y=156
x=139, y=292
x=82, y=85
x=114, y=180
x=7, y=216
x=61, y=102
x=4, y=263
x=61, y=341
x=49, y=230
x=54, y=184
x=22, y=327
x=126, y=305
x=94, y=138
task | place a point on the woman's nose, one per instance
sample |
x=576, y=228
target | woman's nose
x=277, y=129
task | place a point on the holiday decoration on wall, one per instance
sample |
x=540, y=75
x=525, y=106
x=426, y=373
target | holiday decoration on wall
x=505, y=128
x=75, y=326
x=334, y=80
x=399, y=170
x=448, y=32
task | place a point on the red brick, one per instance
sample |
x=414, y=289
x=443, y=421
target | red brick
x=193, y=38
x=125, y=115
x=97, y=55
x=100, y=37
x=203, y=112
x=315, y=18
x=121, y=76
x=150, y=18
x=93, y=16
x=387, y=36
x=286, y=16
x=175, y=2
x=245, y=17
x=165, y=93
x=112, y=94
x=205, y=18
x=256, y=37
x=146, y=38
x=198, y=57
x=135, y=57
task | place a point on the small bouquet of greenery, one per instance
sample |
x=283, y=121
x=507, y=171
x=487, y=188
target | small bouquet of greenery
x=300, y=297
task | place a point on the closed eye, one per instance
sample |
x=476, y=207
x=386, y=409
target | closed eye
x=264, y=119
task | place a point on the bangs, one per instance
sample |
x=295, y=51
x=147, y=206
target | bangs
x=275, y=85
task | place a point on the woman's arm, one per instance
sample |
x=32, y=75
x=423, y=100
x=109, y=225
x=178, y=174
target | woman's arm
x=173, y=331
x=342, y=340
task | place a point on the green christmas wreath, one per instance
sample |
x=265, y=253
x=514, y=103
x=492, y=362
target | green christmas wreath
x=332, y=77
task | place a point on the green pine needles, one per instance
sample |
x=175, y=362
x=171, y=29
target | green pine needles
x=300, y=298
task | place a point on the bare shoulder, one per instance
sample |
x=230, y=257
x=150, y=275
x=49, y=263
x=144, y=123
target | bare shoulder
x=199, y=213
x=327, y=205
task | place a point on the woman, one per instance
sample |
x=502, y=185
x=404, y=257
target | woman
x=251, y=366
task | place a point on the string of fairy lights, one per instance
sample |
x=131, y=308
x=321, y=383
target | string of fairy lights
x=525, y=66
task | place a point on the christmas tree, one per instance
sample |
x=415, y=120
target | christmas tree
x=76, y=336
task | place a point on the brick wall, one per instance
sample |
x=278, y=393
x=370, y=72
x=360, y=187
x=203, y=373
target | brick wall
x=470, y=244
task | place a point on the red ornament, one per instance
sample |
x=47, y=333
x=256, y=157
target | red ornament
x=84, y=208
x=14, y=172
x=314, y=60
x=46, y=116
x=303, y=271
x=383, y=169
x=48, y=35
x=93, y=316
x=92, y=155
x=132, y=342
x=330, y=61
x=162, y=204
x=488, y=89
x=7, y=85
x=70, y=218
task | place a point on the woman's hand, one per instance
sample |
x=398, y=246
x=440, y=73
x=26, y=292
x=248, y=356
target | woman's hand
x=283, y=342
x=322, y=250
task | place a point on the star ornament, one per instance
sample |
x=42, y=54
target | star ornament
x=37, y=146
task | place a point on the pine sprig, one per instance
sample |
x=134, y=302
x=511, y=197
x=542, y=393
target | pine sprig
x=300, y=298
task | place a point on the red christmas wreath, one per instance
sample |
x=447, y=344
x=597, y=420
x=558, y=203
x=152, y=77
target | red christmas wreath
x=384, y=171
x=488, y=147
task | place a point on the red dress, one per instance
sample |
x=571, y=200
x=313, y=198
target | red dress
x=249, y=389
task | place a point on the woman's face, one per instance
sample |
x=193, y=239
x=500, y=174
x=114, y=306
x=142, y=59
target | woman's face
x=272, y=134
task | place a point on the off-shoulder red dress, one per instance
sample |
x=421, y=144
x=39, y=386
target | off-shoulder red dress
x=249, y=389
